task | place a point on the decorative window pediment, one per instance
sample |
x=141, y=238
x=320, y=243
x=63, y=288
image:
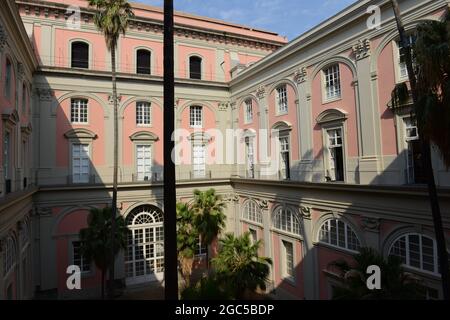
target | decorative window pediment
x=144, y=136
x=80, y=134
x=200, y=137
x=332, y=115
x=10, y=115
x=27, y=129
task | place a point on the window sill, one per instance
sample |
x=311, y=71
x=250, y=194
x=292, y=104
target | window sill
x=289, y=280
x=326, y=101
x=280, y=114
x=143, y=125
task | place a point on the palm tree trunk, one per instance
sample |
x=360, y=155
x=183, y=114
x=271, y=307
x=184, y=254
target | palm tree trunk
x=116, y=158
x=427, y=164
x=103, y=284
x=170, y=222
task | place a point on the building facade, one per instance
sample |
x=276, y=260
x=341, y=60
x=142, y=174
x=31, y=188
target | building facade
x=298, y=137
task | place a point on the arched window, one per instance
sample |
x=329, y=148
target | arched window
x=286, y=220
x=9, y=255
x=80, y=55
x=143, y=61
x=416, y=251
x=195, y=67
x=339, y=234
x=252, y=212
x=8, y=79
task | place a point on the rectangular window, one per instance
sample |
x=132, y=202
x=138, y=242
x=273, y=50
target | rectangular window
x=78, y=259
x=282, y=99
x=199, y=163
x=80, y=163
x=249, y=111
x=8, y=75
x=6, y=155
x=24, y=98
x=201, y=248
x=143, y=113
x=411, y=39
x=196, y=116
x=332, y=82
x=285, y=155
x=288, y=259
x=336, y=155
x=253, y=235
x=144, y=162
x=414, y=168
x=79, y=111
x=250, y=158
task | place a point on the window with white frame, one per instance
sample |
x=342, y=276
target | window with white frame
x=253, y=235
x=199, y=160
x=332, y=82
x=196, y=116
x=282, y=99
x=414, y=169
x=339, y=234
x=416, y=251
x=9, y=255
x=285, y=167
x=201, y=248
x=286, y=220
x=79, y=111
x=144, y=162
x=252, y=212
x=80, y=163
x=248, y=111
x=411, y=40
x=335, y=170
x=143, y=113
x=288, y=255
x=78, y=259
x=8, y=79
x=250, y=157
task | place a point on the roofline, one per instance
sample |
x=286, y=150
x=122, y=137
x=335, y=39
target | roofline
x=147, y=7
x=351, y=13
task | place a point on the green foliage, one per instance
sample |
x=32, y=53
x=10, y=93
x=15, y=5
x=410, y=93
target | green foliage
x=209, y=288
x=96, y=238
x=187, y=239
x=239, y=266
x=112, y=18
x=209, y=214
x=431, y=56
x=187, y=234
x=396, y=284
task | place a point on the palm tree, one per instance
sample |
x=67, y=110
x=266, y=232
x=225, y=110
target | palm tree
x=239, y=265
x=187, y=240
x=96, y=239
x=111, y=18
x=430, y=90
x=209, y=216
x=396, y=284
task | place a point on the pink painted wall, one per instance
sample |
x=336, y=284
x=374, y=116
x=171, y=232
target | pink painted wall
x=97, y=48
x=208, y=61
x=290, y=117
x=96, y=124
x=346, y=103
x=128, y=55
x=69, y=225
x=386, y=83
x=130, y=127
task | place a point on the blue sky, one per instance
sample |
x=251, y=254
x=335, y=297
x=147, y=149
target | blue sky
x=286, y=17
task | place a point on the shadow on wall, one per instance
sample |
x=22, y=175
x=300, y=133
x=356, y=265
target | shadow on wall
x=80, y=180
